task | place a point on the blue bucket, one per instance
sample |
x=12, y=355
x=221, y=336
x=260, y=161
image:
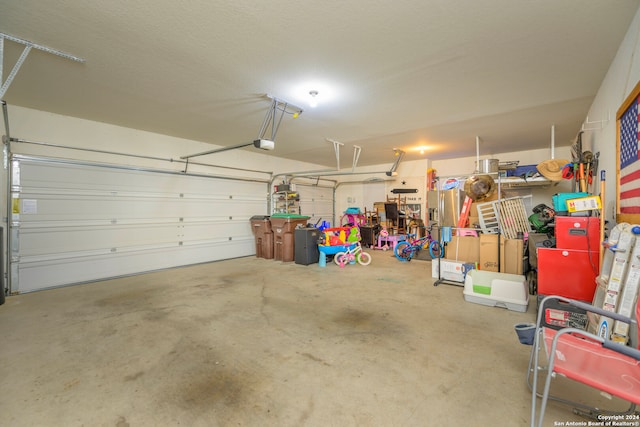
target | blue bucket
x=526, y=332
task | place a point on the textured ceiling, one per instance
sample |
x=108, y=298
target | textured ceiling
x=389, y=74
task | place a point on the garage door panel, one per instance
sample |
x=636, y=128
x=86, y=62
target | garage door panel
x=316, y=202
x=36, y=273
x=63, y=175
x=44, y=240
x=75, y=222
x=39, y=207
x=41, y=241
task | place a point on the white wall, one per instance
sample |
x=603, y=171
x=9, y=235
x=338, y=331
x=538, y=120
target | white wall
x=52, y=128
x=621, y=78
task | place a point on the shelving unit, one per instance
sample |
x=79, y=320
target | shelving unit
x=286, y=202
x=505, y=217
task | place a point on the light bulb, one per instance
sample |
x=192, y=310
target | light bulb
x=313, y=102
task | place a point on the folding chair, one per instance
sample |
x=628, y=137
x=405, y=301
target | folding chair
x=608, y=366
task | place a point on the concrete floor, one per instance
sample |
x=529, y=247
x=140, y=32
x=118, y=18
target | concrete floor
x=255, y=342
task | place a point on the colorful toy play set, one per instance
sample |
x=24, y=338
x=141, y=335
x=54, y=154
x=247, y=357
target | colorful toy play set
x=338, y=240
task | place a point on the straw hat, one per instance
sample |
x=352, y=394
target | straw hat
x=479, y=187
x=552, y=169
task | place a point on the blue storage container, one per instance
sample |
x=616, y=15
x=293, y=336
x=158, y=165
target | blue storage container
x=526, y=170
x=560, y=200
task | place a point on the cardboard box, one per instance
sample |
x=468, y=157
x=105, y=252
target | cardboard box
x=488, y=252
x=454, y=271
x=511, y=254
x=584, y=204
x=463, y=248
x=378, y=208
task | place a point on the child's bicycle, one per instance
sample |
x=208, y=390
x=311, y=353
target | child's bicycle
x=407, y=249
x=353, y=253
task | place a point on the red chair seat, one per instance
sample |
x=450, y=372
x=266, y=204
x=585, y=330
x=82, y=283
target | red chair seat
x=586, y=361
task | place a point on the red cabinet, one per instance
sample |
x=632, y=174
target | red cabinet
x=581, y=233
x=570, y=269
x=568, y=272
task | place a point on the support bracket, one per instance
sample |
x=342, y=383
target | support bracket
x=399, y=155
x=274, y=116
x=601, y=123
x=356, y=156
x=336, y=148
x=4, y=85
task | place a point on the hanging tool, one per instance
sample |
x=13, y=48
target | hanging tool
x=576, y=157
x=583, y=181
x=587, y=158
x=594, y=167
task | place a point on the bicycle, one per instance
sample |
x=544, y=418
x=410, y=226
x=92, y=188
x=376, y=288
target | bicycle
x=407, y=249
x=353, y=253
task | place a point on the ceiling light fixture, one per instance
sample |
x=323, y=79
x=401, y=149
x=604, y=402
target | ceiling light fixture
x=313, y=102
x=421, y=149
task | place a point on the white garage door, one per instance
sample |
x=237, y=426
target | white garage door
x=76, y=222
x=316, y=202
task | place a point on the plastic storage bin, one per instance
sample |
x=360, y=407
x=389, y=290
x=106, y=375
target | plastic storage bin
x=261, y=228
x=283, y=226
x=560, y=200
x=504, y=290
